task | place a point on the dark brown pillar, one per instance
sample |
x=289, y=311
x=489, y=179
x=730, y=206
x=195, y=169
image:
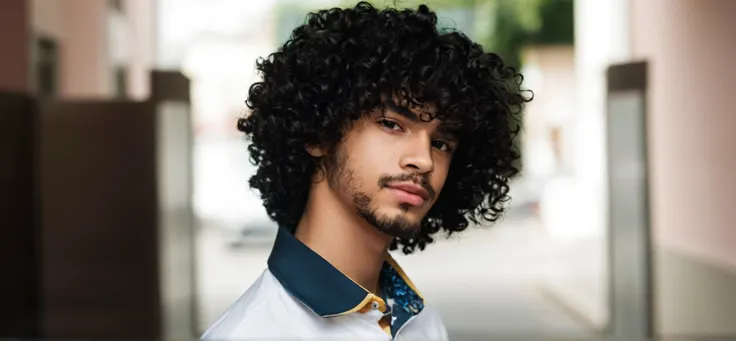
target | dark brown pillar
x=18, y=261
x=18, y=221
x=117, y=246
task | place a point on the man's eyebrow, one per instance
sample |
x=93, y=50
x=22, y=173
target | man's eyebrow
x=402, y=111
x=443, y=129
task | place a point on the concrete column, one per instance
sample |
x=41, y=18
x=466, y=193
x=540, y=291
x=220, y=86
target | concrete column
x=601, y=39
x=142, y=17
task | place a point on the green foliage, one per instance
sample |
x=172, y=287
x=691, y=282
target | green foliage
x=501, y=26
x=556, y=25
x=526, y=22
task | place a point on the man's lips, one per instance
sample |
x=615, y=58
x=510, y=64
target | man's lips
x=413, y=189
x=410, y=193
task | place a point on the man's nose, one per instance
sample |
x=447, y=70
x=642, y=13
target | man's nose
x=417, y=155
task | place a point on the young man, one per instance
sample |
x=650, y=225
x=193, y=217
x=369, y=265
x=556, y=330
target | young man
x=371, y=131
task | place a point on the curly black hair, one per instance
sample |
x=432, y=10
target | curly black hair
x=340, y=65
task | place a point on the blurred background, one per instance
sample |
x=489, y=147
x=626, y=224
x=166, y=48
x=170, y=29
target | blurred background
x=126, y=210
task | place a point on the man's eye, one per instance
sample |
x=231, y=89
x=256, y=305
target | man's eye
x=389, y=125
x=442, y=145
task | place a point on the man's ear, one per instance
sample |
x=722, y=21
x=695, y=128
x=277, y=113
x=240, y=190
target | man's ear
x=315, y=150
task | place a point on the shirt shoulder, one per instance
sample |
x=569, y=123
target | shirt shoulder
x=257, y=314
x=427, y=325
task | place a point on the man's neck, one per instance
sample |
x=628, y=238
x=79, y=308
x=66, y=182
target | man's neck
x=343, y=238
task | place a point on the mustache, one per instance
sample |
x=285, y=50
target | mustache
x=420, y=180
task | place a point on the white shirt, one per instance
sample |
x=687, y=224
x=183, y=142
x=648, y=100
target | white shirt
x=302, y=296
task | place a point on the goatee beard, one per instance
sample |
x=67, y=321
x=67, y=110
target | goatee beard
x=397, y=227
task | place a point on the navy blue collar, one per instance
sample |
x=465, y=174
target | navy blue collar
x=328, y=292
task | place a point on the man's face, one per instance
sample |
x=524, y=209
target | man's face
x=392, y=166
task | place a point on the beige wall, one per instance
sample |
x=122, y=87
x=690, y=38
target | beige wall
x=80, y=30
x=14, y=66
x=86, y=62
x=46, y=18
x=691, y=48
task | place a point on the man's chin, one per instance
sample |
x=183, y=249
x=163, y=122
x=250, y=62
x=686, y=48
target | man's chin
x=393, y=221
x=400, y=227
